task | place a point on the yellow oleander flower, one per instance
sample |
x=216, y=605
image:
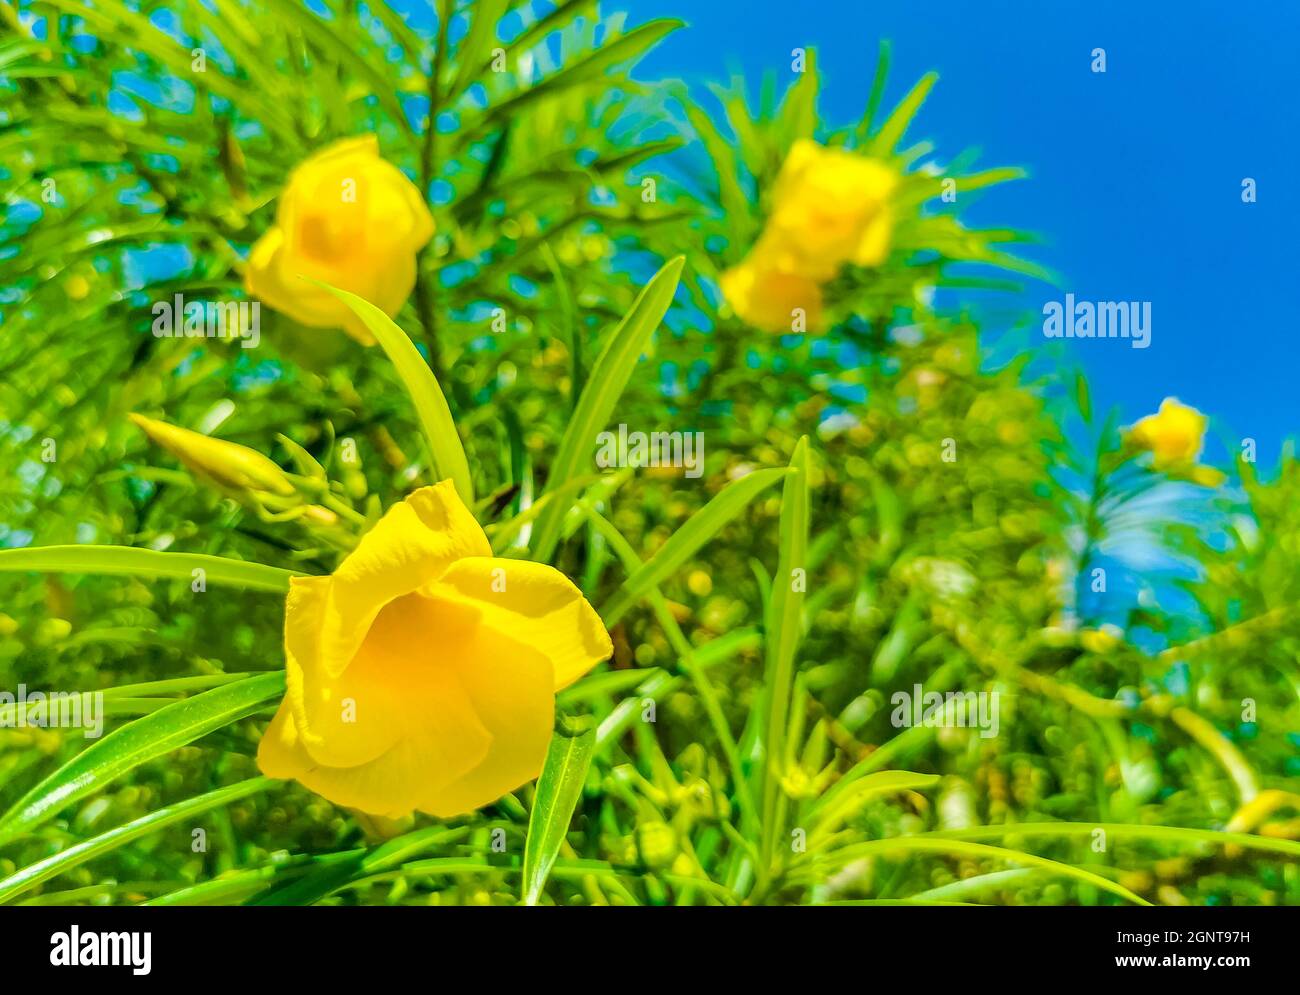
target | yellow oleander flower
x=347, y=218
x=232, y=469
x=830, y=207
x=769, y=300
x=422, y=673
x=1174, y=436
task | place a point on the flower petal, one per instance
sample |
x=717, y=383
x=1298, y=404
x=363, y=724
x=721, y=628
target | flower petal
x=474, y=717
x=415, y=541
x=512, y=687
x=393, y=689
x=535, y=604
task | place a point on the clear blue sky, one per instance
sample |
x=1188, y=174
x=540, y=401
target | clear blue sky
x=1136, y=174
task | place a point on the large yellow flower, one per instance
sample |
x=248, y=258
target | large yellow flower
x=830, y=207
x=422, y=673
x=346, y=218
x=1174, y=436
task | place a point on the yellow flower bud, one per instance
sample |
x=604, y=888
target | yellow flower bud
x=77, y=287
x=656, y=842
x=699, y=583
x=349, y=219
x=314, y=514
x=52, y=630
x=233, y=469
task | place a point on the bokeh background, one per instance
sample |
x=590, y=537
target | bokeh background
x=949, y=482
x=1135, y=175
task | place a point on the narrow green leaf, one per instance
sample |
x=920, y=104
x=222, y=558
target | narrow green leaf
x=609, y=682
x=412, y=44
x=557, y=794
x=565, y=12
x=1126, y=831
x=891, y=132
x=132, y=30
x=722, y=158
x=784, y=630
x=501, y=533
x=932, y=843
x=422, y=387
x=866, y=789
x=1082, y=396
x=683, y=544
x=330, y=39
x=606, y=382
x=567, y=320
x=65, y=860
x=325, y=880
x=482, y=25
x=165, y=730
x=591, y=68
x=798, y=117
x=980, y=883
x=877, y=92
x=174, y=685
x=148, y=563
x=236, y=886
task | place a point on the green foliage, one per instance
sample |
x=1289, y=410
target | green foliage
x=558, y=789
x=741, y=745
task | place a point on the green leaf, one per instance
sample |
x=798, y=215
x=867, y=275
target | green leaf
x=502, y=533
x=610, y=682
x=932, y=843
x=784, y=630
x=557, y=794
x=877, y=92
x=591, y=68
x=864, y=789
x=564, y=12
x=1082, y=396
x=798, y=118
x=148, y=563
x=683, y=544
x=469, y=55
x=324, y=881
x=167, y=729
x=723, y=160
x=605, y=383
x=62, y=862
x=1125, y=831
x=150, y=689
x=132, y=30
x=329, y=38
x=422, y=387
x=567, y=320
x=891, y=132
x=236, y=886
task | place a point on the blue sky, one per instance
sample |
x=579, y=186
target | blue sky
x=1136, y=173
